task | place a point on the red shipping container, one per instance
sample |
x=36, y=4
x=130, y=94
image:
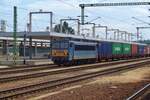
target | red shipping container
x=145, y=50
x=148, y=49
x=134, y=49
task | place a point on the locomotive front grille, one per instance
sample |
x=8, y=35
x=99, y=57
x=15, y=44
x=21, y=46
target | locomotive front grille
x=59, y=53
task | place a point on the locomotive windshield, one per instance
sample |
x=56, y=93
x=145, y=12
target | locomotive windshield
x=60, y=45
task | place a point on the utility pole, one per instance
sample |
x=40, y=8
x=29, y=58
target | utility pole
x=123, y=33
x=15, y=35
x=106, y=30
x=30, y=26
x=116, y=33
x=41, y=12
x=93, y=28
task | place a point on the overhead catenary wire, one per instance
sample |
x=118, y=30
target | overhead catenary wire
x=89, y=11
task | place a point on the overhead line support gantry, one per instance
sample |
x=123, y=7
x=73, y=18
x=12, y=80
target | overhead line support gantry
x=108, y=4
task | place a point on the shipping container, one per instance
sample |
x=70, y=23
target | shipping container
x=148, y=50
x=145, y=50
x=117, y=49
x=105, y=50
x=134, y=49
x=126, y=49
x=141, y=50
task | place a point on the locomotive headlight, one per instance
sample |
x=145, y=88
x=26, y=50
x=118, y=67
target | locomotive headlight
x=65, y=52
x=53, y=52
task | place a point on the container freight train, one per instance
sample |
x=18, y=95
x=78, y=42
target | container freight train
x=68, y=50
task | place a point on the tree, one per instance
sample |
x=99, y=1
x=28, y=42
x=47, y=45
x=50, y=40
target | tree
x=57, y=28
x=70, y=30
x=65, y=28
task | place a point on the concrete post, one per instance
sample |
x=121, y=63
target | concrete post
x=35, y=52
x=114, y=35
x=5, y=47
x=30, y=50
x=129, y=37
x=121, y=36
x=118, y=36
x=125, y=36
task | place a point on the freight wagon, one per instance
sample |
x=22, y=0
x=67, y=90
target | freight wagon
x=69, y=50
x=105, y=50
x=134, y=50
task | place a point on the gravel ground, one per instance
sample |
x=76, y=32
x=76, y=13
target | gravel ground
x=24, y=82
x=112, y=87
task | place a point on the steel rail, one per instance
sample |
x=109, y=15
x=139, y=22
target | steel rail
x=27, y=69
x=23, y=66
x=39, y=67
x=14, y=92
x=58, y=71
x=139, y=93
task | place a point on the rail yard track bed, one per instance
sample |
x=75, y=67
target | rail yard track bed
x=30, y=86
x=35, y=80
x=112, y=87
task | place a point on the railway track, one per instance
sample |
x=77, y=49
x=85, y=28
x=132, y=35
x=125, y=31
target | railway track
x=9, y=78
x=30, y=89
x=30, y=68
x=139, y=93
x=17, y=69
x=14, y=70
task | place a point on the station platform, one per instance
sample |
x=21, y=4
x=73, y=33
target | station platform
x=2, y=66
x=5, y=63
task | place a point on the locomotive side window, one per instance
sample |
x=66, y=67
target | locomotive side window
x=84, y=47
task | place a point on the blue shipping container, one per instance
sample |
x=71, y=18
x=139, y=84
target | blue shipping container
x=105, y=49
x=140, y=49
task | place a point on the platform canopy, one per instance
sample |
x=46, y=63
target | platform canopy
x=34, y=35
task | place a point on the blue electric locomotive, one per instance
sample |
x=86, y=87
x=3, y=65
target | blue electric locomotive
x=69, y=50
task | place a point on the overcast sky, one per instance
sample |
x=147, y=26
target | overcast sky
x=113, y=17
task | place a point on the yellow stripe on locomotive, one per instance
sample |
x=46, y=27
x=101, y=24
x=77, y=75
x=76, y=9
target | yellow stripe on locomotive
x=60, y=53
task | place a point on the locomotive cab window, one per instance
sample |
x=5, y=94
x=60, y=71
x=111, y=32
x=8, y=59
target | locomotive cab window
x=64, y=45
x=55, y=45
x=60, y=44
